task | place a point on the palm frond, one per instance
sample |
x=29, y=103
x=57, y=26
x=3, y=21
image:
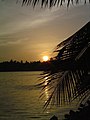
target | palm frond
x=69, y=76
x=74, y=44
x=50, y=3
x=64, y=87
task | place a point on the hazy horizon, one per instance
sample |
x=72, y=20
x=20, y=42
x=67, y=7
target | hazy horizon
x=29, y=34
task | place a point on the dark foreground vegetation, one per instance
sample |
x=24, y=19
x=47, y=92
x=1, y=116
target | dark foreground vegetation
x=83, y=113
x=69, y=79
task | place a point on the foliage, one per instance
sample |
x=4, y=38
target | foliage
x=50, y=3
x=69, y=77
x=23, y=66
x=83, y=113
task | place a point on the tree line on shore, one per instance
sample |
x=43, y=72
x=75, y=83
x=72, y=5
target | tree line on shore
x=14, y=65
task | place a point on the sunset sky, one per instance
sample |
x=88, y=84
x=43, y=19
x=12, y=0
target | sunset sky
x=29, y=34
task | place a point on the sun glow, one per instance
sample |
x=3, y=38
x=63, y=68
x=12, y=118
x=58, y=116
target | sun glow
x=45, y=58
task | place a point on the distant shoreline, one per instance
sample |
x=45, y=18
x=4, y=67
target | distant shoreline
x=15, y=66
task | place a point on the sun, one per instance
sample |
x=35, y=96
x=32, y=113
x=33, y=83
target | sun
x=45, y=58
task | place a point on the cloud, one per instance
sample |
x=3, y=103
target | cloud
x=17, y=23
x=27, y=32
x=14, y=19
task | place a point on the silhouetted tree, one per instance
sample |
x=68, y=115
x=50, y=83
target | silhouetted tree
x=21, y=61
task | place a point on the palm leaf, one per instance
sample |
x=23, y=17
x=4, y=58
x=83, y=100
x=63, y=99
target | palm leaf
x=50, y=3
x=69, y=77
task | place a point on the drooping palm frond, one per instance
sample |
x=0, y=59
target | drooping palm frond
x=74, y=44
x=65, y=86
x=50, y=3
x=69, y=77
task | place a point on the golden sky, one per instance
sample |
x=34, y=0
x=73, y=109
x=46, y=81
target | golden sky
x=29, y=34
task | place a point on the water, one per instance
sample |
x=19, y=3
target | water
x=19, y=98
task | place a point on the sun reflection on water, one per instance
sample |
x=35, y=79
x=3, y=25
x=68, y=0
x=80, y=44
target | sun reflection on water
x=46, y=88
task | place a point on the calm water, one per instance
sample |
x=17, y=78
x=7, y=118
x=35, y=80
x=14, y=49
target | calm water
x=19, y=98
